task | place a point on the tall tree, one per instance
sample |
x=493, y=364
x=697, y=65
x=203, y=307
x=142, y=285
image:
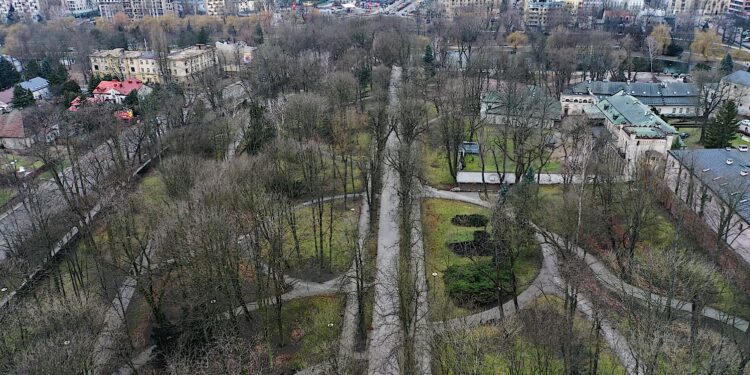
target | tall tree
x=22, y=98
x=32, y=69
x=8, y=74
x=727, y=64
x=429, y=61
x=723, y=129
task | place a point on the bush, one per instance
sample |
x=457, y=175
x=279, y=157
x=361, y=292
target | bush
x=473, y=220
x=480, y=245
x=674, y=50
x=472, y=284
x=179, y=174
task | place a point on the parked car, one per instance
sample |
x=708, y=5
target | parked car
x=684, y=135
x=742, y=148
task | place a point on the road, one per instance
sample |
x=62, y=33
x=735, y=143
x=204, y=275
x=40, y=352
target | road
x=384, y=338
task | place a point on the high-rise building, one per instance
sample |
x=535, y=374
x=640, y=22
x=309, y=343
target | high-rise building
x=136, y=9
x=452, y=7
x=700, y=7
x=20, y=9
x=540, y=14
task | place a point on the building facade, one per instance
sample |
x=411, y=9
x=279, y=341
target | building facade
x=715, y=184
x=708, y=7
x=516, y=104
x=179, y=65
x=635, y=131
x=675, y=99
x=453, y=7
x=22, y=9
x=137, y=9
x=738, y=86
x=543, y=14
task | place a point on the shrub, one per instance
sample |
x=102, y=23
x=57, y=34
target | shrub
x=472, y=284
x=473, y=220
x=480, y=245
x=674, y=50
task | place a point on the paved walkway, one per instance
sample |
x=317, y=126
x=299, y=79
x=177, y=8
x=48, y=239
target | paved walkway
x=384, y=338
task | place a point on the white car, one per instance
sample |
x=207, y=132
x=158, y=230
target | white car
x=742, y=148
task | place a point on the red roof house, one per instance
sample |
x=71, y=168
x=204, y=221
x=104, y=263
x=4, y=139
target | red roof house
x=12, y=132
x=116, y=91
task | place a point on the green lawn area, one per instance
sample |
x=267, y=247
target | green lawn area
x=29, y=163
x=741, y=140
x=345, y=220
x=487, y=350
x=307, y=322
x=438, y=233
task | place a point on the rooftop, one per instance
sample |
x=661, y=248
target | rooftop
x=189, y=52
x=534, y=102
x=35, y=84
x=725, y=180
x=122, y=88
x=11, y=125
x=653, y=94
x=739, y=77
x=635, y=117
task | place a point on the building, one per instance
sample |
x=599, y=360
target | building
x=543, y=14
x=673, y=99
x=715, y=184
x=741, y=7
x=739, y=90
x=13, y=132
x=146, y=67
x=39, y=88
x=21, y=9
x=708, y=7
x=81, y=7
x=116, y=91
x=524, y=103
x=635, y=131
x=232, y=56
x=137, y=9
x=453, y=7
x=189, y=62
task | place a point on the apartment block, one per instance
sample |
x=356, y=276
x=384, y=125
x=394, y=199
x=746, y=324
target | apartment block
x=179, y=65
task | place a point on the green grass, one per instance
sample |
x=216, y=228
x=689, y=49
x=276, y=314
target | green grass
x=438, y=233
x=6, y=194
x=692, y=141
x=311, y=317
x=344, y=223
x=153, y=190
x=741, y=140
x=494, y=350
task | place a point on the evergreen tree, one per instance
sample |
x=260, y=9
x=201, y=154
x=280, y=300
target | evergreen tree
x=58, y=76
x=727, y=64
x=258, y=38
x=723, y=129
x=46, y=70
x=8, y=74
x=22, y=98
x=202, y=37
x=429, y=61
x=131, y=100
x=32, y=69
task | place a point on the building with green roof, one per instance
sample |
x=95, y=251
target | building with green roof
x=635, y=130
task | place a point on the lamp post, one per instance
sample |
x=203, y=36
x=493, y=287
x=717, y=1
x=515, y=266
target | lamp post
x=434, y=281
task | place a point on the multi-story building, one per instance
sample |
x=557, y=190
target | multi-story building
x=453, y=7
x=704, y=7
x=137, y=9
x=673, y=99
x=738, y=89
x=22, y=9
x=542, y=14
x=186, y=63
x=145, y=66
x=80, y=7
x=741, y=7
x=715, y=184
x=217, y=7
x=635, y=131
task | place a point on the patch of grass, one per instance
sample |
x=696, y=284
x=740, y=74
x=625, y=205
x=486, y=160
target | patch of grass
x=309, y=319
x=338, y=254
x=6, y=194
x=741, y=140
x=435, y=168
x=153, y=190
x=438, y=233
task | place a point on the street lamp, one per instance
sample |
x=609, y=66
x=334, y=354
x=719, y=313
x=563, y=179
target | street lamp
x=434, y=281
x=330, y=325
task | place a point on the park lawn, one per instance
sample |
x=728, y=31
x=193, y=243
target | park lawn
x=482, y=340
x=6, y=194
x=339, y=256
x=435, y=168
x=741, y=140
x=438, y=233
x=313, y=326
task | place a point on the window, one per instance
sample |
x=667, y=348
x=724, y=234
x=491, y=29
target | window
x=132, y=69
x=674, y=110
x=96, y=67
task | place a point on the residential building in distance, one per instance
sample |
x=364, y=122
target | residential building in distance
x=739, y=90
x=38, y=86
x=137, y=9
x=715, y=184
x=216, y=8
x=635, y=131
x=740, y=7
x=231, y=56
x=116, y=91
x=672, y=99
x=144, y=66
x=14, y=134
x=541, y=14
x=22, y=9
x=707, y=8
x=81, y=7
x=528, y=103
x=453, y=7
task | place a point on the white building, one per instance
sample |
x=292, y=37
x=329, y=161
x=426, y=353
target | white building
x=739, y=90
x=137, y=9
x=635, y=131
x=715, y=184
x=22, y=9
x=673, y=99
